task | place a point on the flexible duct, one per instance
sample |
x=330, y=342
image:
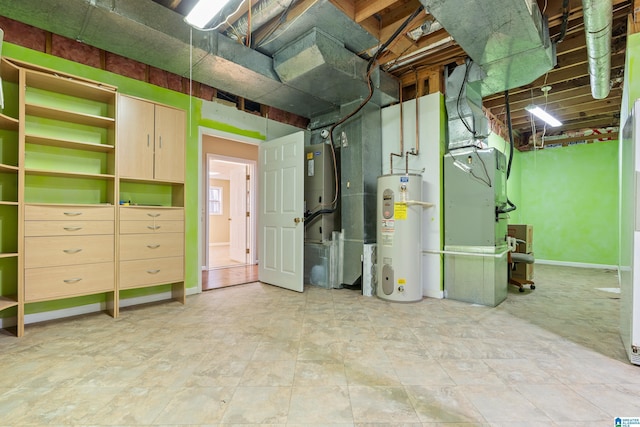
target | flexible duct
x=598, y=15
x=262, y=13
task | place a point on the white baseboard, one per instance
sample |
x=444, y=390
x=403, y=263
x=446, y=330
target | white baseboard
x=577, y=264
x=89, y=308
x=433, y=294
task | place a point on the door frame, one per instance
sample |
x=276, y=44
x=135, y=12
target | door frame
x=201, y=177
x=252, y=224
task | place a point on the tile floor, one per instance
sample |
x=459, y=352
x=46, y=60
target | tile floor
x=257, y=354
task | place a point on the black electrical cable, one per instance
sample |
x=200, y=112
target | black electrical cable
x=468, y=63
x=565, y=21
x=370, y=64
x=511, y=150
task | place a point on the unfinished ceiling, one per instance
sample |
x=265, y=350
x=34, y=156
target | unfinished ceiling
x=426, y=50
x=309, y=56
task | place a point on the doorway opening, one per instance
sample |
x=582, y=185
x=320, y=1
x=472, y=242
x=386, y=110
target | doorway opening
x=229, y=217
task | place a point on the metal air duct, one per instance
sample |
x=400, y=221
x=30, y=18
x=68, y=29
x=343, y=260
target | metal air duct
x=152, y=34
x=509, y=39
x=598, y=16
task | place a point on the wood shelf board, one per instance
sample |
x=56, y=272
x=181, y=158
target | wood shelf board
x=9, y=123
x=149, y=181
x=9, y=71
x=69, y=116
x=8, y=168
x=64, y=174
x=8, y=302
x=8, y=203
x=9, y=255
x=70, y=85
x=62, y=143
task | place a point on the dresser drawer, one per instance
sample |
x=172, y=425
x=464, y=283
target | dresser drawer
x=151, y=227
x=67, y=228
x=129, y=213
x=134, y=274
x=59, y=282
x=145, y=246
x=68, y=213
x=67, y=250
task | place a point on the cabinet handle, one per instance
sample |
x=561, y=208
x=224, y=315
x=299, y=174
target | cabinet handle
x=153, y=271
x=153, y=227
x=160, y=138
x=148, y=140
x=72, y=251
x=153, y=215
x=153, y=246
x=75, y=280
x=73, y=228
x=73, y=213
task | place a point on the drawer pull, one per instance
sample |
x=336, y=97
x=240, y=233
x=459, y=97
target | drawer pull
x=75, y=280
x=73, y=228
x=73, y=213
x=153, y=227
x=153, y=271
x=154, y=215
x=153, y=246
x=72, y=251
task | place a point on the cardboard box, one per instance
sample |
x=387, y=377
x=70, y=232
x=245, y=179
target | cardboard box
x=522, y=232
x=522, y=271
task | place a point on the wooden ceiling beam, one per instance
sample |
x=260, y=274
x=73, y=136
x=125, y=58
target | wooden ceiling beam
x=365, y=9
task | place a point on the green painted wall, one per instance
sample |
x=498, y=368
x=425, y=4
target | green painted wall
x=570, y=196
x=133, y=87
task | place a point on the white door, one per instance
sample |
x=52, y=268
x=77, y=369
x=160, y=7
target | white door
x=238, y=214
x=280, y=212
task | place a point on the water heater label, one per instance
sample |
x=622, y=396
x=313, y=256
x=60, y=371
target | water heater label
x=388, y=225
x=400, y=211
x=404, y=179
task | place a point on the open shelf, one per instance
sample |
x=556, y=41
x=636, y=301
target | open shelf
x=9, y=255
x=69, y=116
x=63, y=143
x=70, y=86
x=8, y=123
x=9, y=71
x=42, y=172
x=8, y=168
x=8, y=302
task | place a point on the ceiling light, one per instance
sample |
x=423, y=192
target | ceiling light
x=543, y=115
x=204, y=11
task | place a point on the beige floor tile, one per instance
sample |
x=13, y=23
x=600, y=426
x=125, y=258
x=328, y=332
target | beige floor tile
x=195, y=405
x=560, y=403
x=258, y=405
x=258, y=354
x=443, y=404
x=319, y=373
x=381, y=405
x=465, y=372
x=272, y=373
x=503, y=403
x=320, y=405
x=371, y=374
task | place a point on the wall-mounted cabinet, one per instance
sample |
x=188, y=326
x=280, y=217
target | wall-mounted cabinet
x=152, y=141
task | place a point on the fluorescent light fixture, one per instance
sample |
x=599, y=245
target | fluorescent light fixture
x=543, y=115
x=204, y=11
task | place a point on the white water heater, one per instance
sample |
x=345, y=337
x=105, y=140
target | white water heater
x=399, y=234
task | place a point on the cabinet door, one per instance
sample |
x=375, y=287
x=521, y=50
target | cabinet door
x=135, y=138
x=170, y=136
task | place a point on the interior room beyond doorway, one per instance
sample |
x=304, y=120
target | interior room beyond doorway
x=228, y=210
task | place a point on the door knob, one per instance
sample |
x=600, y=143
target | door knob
x=298, y=220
